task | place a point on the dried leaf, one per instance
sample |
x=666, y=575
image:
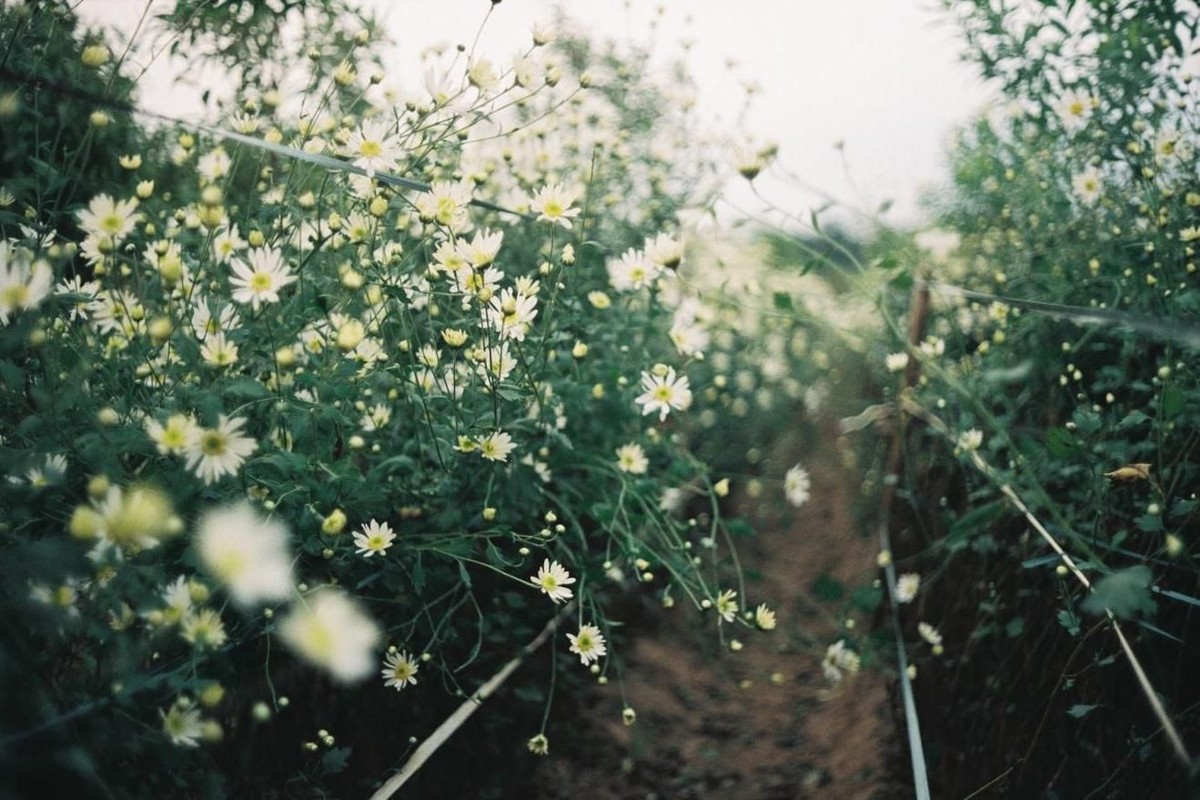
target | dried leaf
x=1130, y=472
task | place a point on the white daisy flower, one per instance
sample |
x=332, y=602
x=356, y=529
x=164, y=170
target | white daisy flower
x=182, y=724
x=588, y=644
x=663, y=391
x=374, y=539
x=400, y=670
x=632, y=271
x=553, y=203
x=372, y=148
x=727, y=605
x=1088, y=185
x=215, y=452
x=511, y=314
x=108, y=218
x=631, y=458
x=552, y=579
x=496, y=446
x=764, y=617
x=260, y=281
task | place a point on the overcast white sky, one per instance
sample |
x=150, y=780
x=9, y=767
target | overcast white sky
x=882, y=76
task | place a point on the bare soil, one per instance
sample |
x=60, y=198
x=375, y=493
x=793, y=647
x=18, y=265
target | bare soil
x=759, y=723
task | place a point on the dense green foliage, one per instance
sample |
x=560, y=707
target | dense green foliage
x=275, y=425
x=1080, y=193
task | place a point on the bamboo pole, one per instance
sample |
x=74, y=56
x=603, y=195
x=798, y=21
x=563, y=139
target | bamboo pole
x=461, y=714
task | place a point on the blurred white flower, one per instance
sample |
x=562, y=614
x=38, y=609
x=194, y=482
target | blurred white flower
x=907, y=586
x=1075, y=109
x=631, y=458
x=329, y=630
x=839, y=660
x=970, y=440
x=896, y=362
x=246, y=553
x=1088, y=185
x=24, y=282
x=796, y=485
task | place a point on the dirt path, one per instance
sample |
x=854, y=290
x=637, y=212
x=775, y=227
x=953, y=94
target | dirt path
x=760, y=723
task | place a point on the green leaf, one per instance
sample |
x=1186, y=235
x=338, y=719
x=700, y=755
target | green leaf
x=783, y=302
x=335, y=760
x=530, y=694
x=1060, y=443
x=867, y=598
x=1181, y=508
x=245, y=389
x=1015, y=627
x=1149, y=523
x=903, y=282
x=977, y=518
x=418, y=576
x=1069, y=620
x=828, y=588
x=1172, y=402
x=395, y=464
x=1086, y=421
x=1081, y=710
x=1124, y=593
x=282, y=464
x=1133, y=418
x=11, y=375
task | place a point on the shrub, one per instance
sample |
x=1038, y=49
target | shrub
x=279, y=422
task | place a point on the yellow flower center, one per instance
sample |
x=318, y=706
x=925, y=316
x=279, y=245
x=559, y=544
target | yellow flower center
x=446, y=209
x=260, y=282
x=212, y=443
x=370, y=148
x=14, y=296
x=230, y=565
x=318, y=642
x=111, y=223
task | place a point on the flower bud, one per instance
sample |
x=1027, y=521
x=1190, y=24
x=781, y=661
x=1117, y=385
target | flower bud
x=335, y=523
